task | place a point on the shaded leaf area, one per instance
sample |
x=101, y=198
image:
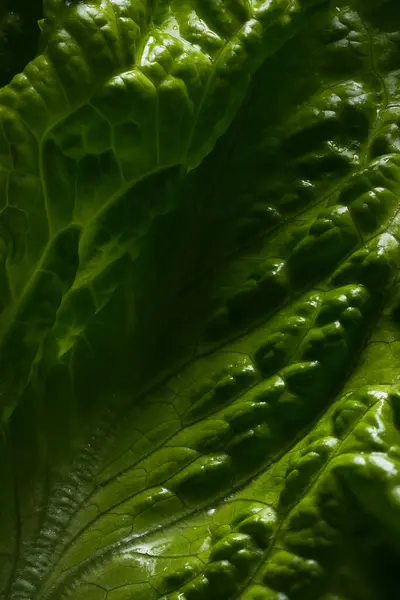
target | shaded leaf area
x=207, y=401
x=19, y=35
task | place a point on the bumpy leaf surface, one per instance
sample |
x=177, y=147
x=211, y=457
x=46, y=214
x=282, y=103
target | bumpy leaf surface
x=200, y=312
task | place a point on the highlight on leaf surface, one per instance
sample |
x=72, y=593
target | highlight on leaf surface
x=199, y=304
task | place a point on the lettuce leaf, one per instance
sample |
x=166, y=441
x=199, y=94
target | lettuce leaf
x=199, y=327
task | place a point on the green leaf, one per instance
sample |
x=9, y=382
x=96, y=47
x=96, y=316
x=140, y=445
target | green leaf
x=200, y=311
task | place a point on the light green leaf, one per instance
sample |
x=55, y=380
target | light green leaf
x=199, y=333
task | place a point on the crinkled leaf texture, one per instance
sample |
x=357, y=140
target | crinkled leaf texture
x=200, y=317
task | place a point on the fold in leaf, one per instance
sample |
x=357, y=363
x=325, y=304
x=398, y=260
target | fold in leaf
x=199, y=328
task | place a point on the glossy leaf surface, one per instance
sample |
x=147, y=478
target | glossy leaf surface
x=199, y=327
